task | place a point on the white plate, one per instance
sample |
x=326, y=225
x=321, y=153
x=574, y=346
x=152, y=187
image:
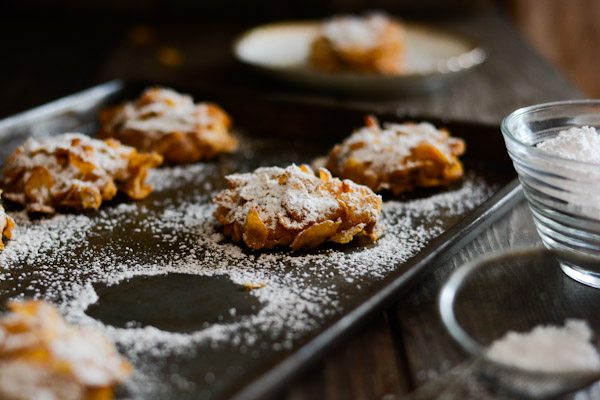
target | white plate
x=433, y=57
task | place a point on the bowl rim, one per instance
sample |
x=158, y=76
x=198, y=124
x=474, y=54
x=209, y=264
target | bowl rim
x=509, y=137
x=455, y=282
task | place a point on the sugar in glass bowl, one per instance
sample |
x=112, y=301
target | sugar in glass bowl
x=563, y=192
x=488, y=300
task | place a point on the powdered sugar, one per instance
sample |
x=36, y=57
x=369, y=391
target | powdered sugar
x=77, y=359
x=575, y=181
x=287, y=196
x=549, y=348
x=168, y=177
x=2, y=217
x=5, y=225
x=579, y=144
x=169, y=112
x=113, y=160
x=351, y=32
x=70, y=169
x=87, y=353
x=173, y=231
x=393, y=143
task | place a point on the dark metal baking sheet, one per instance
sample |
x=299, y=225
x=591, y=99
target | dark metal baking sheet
x=273, y=132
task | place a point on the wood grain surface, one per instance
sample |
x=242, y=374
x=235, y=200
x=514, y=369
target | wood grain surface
x=406, y=346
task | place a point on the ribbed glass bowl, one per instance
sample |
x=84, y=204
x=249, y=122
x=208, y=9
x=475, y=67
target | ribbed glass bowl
x=517, y=291
x=563, y=194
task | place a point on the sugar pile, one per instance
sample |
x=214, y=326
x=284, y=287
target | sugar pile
x=576, y=183
x=549, y=348
x=579, y=144
x=62, y=257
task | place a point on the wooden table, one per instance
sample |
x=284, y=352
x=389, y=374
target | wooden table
x=404, y=347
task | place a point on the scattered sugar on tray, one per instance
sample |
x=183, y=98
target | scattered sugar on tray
x=454, y=201
x=34, y=239
x=167, y=176
x=549, y=348
x=302, y=291
x=579, y=144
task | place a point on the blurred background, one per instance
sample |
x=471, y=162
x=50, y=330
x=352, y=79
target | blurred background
x=59, y=47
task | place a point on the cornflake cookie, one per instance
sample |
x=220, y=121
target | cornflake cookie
x=370, y=44
x=74, y=171
x=292, y=207
x=42, y=357
x=6, y=226
x=171, y=124
x=398, y=157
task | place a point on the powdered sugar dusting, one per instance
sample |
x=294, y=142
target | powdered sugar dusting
x=61, y=258
x=113, y=160
x=73, y=170
x=290, y=197
x=348, y=32
x=3, y=221
x=170, y=176
x=169, y=112
x=78, y=359
x=391, y=144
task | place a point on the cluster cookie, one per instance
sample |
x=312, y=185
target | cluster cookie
x=6, y=226
x=292, y=207
x=371, y=44
x=171, y=124
x=74, y=171
x=398, y=157
x=42, y=357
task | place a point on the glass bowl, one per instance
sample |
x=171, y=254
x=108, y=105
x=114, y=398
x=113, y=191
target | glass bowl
x=517, y=291
x=563, y=194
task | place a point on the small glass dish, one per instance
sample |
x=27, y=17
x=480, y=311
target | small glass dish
x=517, y=291
x=563, y=194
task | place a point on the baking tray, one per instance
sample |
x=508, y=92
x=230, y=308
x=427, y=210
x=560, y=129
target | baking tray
x=159, y=278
